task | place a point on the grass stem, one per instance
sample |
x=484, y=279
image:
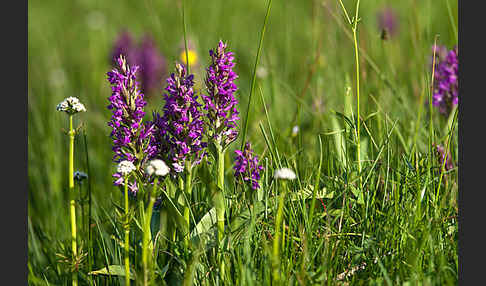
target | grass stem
x=73, y=201
x=253, y=79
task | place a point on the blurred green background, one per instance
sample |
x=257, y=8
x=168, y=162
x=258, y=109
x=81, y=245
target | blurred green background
x=69, y=44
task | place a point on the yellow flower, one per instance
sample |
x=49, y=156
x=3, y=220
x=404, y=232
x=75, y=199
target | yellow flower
x=192, y=57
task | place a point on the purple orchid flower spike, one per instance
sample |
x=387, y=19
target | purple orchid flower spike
x=220, y=102
x=132, y=139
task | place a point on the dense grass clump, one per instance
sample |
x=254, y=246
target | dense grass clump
x=296, y=143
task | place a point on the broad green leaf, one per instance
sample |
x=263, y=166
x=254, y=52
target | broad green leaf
x=205, y=224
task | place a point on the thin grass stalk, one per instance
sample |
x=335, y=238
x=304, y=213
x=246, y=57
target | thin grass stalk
x=316, y=185
x=276, y=239
x=442, y=168
x=90, y=240
x=356, y=50
x=185, y=35
x=72, y=202
x=127, y=236
x=147, y=236
x=431, y=118
x=253, y=79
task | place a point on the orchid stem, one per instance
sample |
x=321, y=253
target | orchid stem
x=188, y=193
x=219, y=201
x=127, y=236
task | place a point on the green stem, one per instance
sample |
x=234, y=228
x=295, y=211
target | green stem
x=185, y=35
x=90, y=241
x=163, y=226
x=127, y=236
x=260, y=45
x=188, y=193
x=71, y=192
x=219, y=200
x=357, y=92
x=276, y=239
x=446, y=155
x=180, y=198
x=220, y=182
x=147, y=235
x=316, y=184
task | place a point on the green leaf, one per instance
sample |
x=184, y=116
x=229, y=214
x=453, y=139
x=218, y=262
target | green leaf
x=155, y=223
x=205, y=224
x=358, y=194
x=113, y=270
x=307, y=193
x=239, y=225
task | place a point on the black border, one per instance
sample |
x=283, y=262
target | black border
x=14, y=112
x=472, y=194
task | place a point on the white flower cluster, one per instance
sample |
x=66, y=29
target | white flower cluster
x=157, y=167
x=71, y=105
x=125, y=167
x=284, y=174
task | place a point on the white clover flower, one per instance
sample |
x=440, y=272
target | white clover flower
x=295, y=130
x=284, y=174
x=71, y=105
x=125, y=167
x=157, y=167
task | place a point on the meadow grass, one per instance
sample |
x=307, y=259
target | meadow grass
x=377, y=212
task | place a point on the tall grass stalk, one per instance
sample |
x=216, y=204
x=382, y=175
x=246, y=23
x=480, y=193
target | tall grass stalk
x=354, y=27
x=356, y=51
x=316, y=184
x=73, y=201
x=431, y=112
x=90, y=238
x=253, y=79
x=185, y=35
x=446, y=155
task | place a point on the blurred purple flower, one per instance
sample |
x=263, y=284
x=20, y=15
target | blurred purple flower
x=441, y=153
x=152, y=64
x=131, y=137
x=388, y=21
x=446, y=84
x=181, y=126
x=220, y=103
x=247, y=167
